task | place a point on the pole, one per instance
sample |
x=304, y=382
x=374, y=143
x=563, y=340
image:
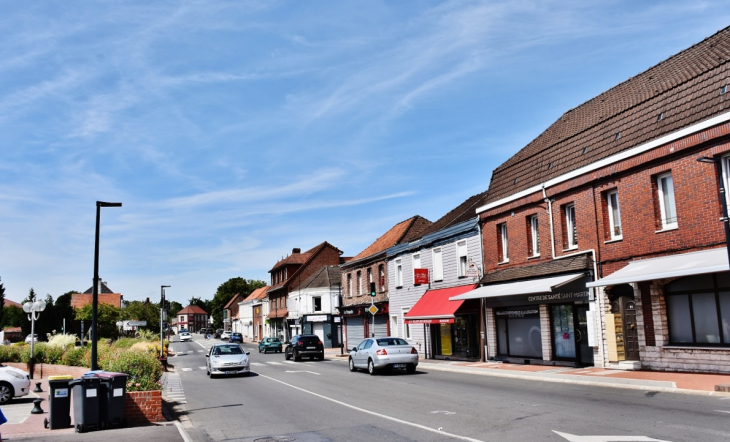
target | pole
x=95, y=291
x=162, y=307
x=372, y=330
x=32, y=342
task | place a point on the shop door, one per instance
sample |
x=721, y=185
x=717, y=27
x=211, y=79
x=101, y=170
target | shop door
x=626, y=307
x=464, y=338
x=381, y=326
x=355, y=330
x=570, y=334
x=585, y=352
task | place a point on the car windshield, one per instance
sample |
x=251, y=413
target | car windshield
x=233, y=350
x=384, y=342
x=309, y=339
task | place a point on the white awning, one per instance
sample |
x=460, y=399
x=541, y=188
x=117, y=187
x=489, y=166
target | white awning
x=544, y=285
x=686, y=264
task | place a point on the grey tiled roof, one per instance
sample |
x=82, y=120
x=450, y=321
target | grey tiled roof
x=555, y=267
x=684, y=89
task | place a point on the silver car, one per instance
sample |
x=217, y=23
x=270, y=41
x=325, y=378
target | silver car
x=227, y=359
x=374, y=354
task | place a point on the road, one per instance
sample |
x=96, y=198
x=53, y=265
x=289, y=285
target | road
x=313, y=401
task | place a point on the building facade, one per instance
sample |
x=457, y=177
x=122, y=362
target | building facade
x=192, y=318
x=314, y=306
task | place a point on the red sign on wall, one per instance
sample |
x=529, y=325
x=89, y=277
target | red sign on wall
x=420, y=276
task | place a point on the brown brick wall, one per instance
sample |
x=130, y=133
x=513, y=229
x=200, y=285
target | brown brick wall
x=381, y=290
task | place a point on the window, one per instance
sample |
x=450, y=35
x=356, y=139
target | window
x=398, y=273
x=726, y=178
x=370, y=275
x=286, y=271
x=571, y=233
x=317, y=303
x=406, y=327
x=502, y=244
x=461, y=256
x=668, y=210
x=416, y=264
x=534, y=236
x=349, y=285
x=381, y=272
x=614, y=215
x=698, y=310
x=359, y=283
x=438, y=264
x=394, y=324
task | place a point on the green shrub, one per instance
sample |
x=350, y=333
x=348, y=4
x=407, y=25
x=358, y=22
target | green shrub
x=74, y=357
x=54, y=354
x=125, y=342
x=143, y=368
x=10, y=353
x=61, y=341
x=39, y=353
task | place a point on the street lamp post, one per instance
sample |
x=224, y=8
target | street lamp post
x=95, y=288
x=162, y=309
x=34, y=310
x=726, y=221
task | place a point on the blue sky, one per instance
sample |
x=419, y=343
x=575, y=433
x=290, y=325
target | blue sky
x=233, y=131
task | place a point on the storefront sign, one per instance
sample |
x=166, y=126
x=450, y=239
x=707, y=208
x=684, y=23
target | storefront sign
x=514, y=313
x=420, y=276
x=336, y=319
x=569, y=296
x=316, y=318
x=430, y=321
x=351, y=311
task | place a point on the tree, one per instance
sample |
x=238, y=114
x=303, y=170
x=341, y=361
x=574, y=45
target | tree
x=173, y=307
x=142, y=311
x=2, y=300
x=226, y=292
x=13, y=316
x=63, y=310
x=107, y=316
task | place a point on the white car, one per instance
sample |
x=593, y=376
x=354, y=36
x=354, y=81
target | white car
x=13, y=383
x=185, y=336
x=28, y=338
x=227, y=359
x=374, y=354
x=226, y=335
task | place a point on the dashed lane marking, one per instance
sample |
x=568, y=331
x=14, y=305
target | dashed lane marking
x=187, y=369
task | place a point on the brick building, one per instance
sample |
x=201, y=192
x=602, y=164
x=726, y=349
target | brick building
x=105, y=296
x=287, y=275
x=370, y=266
x=192, y=318
x=601, y=237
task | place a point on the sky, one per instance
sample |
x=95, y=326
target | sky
x=234, y=131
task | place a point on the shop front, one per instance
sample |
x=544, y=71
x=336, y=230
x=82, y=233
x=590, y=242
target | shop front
x=451, y=327
x=545, y=320
x=361, y=324
x=325, y=326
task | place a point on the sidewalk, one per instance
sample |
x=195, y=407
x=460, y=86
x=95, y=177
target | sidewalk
x=688, y=383
x=22, y=425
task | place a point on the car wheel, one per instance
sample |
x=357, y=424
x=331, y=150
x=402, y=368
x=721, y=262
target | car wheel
x=286, y=356
x=411, y=368
x=6, y=392
x=297, y=356
x=321, y=357
x=351, y=365
x=371, y=368
x=259, y=349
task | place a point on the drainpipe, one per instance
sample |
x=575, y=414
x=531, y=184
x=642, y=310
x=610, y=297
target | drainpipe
x=550, y=212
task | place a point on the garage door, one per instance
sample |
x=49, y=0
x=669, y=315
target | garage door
x=381, y=325
x=355, y=330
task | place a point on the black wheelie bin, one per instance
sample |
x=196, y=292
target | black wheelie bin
x=113, y=392
x=86, y=403
x=59, y=402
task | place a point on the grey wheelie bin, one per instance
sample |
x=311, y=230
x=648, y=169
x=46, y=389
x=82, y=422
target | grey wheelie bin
x=86, y=403
x=59, y=402
x=113, y=391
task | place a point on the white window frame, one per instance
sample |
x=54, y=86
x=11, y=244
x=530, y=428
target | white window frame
x=349, y=285
x=614, y=215
x=394, y=324
x=666, y=192
x=570, y=226
x=398, y=273
x=406, y=327
x=725, y=162
x=359, y=283
x=505, y=242
x=535, y=234
x=461, y=252
x=416, y=261
x=438, y=263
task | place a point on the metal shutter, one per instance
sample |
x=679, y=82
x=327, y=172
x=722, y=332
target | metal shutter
x=381, y=325
x=355, y=331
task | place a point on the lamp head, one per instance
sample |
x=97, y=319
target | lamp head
x=105, y=204
x=28, y=307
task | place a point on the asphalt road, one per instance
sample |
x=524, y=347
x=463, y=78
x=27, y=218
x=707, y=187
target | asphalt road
x=316, y=401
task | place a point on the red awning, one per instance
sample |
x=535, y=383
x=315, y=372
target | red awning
x=434, y=306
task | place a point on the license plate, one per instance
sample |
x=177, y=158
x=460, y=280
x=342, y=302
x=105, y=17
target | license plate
x=399, y=365
x=311, y=348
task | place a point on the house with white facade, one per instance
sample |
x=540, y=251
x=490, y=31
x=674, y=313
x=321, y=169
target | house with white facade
x=314, y=306
x=445, y=261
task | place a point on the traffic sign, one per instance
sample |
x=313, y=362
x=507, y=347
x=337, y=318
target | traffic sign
x=373, y=310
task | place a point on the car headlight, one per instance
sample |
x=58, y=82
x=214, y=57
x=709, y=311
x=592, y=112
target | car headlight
x=16, y=374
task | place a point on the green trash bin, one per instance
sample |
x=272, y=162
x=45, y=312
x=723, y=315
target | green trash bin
x=59, y=402
x=86, y=403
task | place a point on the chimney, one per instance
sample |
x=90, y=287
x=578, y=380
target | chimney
x=296, y=250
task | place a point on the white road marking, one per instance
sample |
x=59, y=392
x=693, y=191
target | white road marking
x=574, y=438
x=289, y=362
x=722, y=411
x=444, y=412
x=201, y=351
x=258, y=364
x=301, y=371
x=275, y=363
x=373, y=413
x=187, y=369
x=203, y=368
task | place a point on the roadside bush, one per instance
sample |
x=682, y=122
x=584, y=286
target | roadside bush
x=39, y=353
x=143, y=368
x=10, y=353
x=74, y=356
x=54, y=354
x=124, y=342
x=62, y=341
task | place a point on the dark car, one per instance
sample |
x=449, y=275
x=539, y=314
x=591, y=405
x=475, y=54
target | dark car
x=218, y=333
x=304, y=345
x=236, y=337
x=273, y=344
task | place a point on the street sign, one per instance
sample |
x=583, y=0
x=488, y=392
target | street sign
x=472, y=270
x=137, y=323
x=373, y=310
x=420, y=276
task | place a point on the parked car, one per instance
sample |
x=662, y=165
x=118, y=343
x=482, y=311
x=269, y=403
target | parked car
x=225, y=335
x=304, y=345
x=28, y=338
x=13, y=383
x=236, y=337
x=270, y=344
x=185, y=336
x=375, y=354
x=218, y=333
x=227, y=359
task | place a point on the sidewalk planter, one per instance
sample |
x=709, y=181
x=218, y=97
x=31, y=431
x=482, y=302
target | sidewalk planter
x=143, y=407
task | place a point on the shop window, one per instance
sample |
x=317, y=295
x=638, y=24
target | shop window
x=461, y=256
x=502, y=244
x=398, y=273
x=518, y=332
x=533, y=236
x=570, y=231
x=615, y=231
x=667, y=207
x=698, y=311
x=359, y=283
x=438, y=264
